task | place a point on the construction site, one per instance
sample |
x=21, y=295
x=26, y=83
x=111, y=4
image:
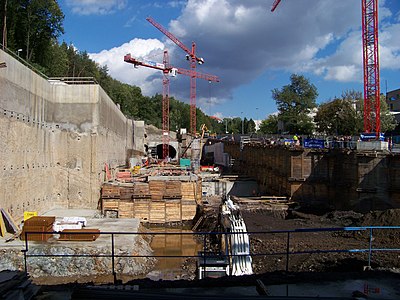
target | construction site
x=98, y=205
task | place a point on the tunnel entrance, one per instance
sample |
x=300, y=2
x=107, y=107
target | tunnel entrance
x=172, y=151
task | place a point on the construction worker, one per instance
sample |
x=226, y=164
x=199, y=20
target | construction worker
x=296, y=140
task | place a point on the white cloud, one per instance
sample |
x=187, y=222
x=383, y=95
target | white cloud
x=241, y=40
x=95, y=7
x=342, y=73
x=148, y=80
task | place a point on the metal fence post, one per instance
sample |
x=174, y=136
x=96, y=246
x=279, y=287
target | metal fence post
x=113, y=259
x=25, y=251
x=287, y=251
x=370, y=248
x=204, y=256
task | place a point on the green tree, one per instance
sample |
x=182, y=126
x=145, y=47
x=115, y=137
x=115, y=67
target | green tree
x=269, y=125
x=388, y=121
x=40, y=23
x=55, y=62
x=250, y=126
x=294, y=102
x=337, y=117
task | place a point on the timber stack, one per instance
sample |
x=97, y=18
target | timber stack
x=162, y=199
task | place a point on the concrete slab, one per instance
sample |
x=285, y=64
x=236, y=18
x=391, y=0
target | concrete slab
x=93, y=222
x=83, y=258
x=103, y=224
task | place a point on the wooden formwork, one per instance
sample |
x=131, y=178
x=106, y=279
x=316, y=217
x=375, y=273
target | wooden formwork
x=173, y=210
x=157, y=189
x=110, y=191
x=126, y=209
x=142, y=208
x=110, y=204
x=189, y=190
x=156, y=202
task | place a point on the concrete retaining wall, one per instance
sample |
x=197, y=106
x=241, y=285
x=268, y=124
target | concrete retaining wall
x=55, y=139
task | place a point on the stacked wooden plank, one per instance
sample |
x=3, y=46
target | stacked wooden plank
x=142, y=209
x=157, y=211
x=188, y=208
x=157, y=189
x=126, y=209
x=126, y=192
x=110, y=205
x=188, y=190
x=110, y=194
x=173, y=210
x=157, y=201
x=125, y=204
x=110, y=191
x=141, y=201
x=141, y=190
x=38, y=224
x=173, y=190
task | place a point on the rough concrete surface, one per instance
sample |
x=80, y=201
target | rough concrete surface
x=76, y=267
x=55, y=140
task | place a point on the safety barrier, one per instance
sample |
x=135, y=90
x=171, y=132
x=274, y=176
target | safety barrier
x=288, y=253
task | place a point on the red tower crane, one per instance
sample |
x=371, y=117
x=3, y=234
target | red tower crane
x=167, y=70
x=193, y=58
x=372, y=104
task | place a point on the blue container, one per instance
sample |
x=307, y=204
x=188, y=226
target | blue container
x=184, y=162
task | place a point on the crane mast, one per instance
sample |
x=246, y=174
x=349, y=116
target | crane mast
x=372, y=104
x=165, y=107
x=167, y=70
x=194, y=59
x=275, y=4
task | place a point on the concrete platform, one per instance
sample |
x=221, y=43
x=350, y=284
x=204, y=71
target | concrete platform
x=93, y=222
x=82, y=258
x=103, y=224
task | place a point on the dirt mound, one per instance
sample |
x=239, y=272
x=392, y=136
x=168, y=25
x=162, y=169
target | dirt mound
x=343, y=218
x=390, y=217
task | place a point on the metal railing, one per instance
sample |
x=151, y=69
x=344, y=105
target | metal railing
x=73, y=80
x=288, y=238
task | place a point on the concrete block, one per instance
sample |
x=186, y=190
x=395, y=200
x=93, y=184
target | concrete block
x=372, y=145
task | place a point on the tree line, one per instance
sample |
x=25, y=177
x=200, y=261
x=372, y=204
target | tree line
x=31, y=28
x=298, y=112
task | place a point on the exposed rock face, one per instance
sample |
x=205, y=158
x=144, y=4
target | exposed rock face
x=92, y=261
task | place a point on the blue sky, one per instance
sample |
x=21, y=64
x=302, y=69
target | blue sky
x=251, y=49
